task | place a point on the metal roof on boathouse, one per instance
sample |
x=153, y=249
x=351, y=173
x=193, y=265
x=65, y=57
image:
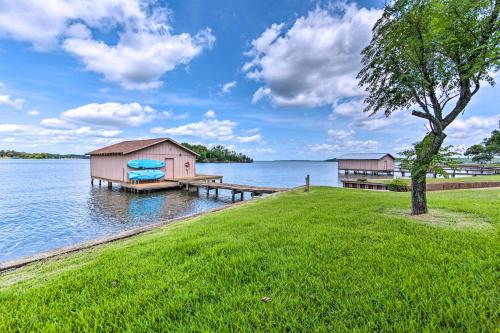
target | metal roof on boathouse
x=364, y=156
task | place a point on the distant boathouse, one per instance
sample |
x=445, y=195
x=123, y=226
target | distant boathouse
x=367, y=163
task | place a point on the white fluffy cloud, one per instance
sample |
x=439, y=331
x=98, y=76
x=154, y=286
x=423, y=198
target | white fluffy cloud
x=248, y=139
x=473, y=129
x=340, y=134
x=31, y=132
x=33, y=112
x=206, y=129
x=228, y=87
x=43, y=23
x=13, y=128
x=56, y=123
x=210, y=114
x=17, y=103
x=475, y=122
x=140, y=58
x=354, y=109
x=316, y=61
x=257, y=150
x=146, y=48
x=344, y=140
x=346, y=146
x=112, y=114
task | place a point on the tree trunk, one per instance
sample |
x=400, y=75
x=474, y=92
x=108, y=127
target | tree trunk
x=418, y=194
x=426, y=150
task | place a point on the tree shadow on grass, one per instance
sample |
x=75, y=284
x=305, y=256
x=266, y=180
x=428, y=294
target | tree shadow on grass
x=444, y=218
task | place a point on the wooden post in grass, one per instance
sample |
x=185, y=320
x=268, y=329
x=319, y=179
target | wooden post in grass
x=308, y=183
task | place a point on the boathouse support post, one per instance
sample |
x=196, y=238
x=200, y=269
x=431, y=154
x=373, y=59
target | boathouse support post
x=208, y=191
x=110, y=185
x=308, y=183
x=232, y=195
x=100, y=183
x=216, y=193
x=198, y=191
x=241, y=196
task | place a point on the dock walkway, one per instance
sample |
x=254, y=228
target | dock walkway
x=166, y=184
x=234, y=188
x=209, y=182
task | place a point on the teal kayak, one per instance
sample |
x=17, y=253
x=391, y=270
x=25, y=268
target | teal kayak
x=145, y=164
x=145, y=175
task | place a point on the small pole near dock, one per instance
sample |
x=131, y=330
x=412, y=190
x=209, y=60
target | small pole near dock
x=308, y=183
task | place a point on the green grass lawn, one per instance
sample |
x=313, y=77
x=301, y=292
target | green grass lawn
x=331, y=260
x=490, y=178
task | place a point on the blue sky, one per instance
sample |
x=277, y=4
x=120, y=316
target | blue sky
x=273, y=79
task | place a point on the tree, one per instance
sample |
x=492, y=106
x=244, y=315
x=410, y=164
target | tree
x=430, y=56
x=479, y=153
x=492, y=143
x=446, y=158
x=217, y=154
x=485, y=151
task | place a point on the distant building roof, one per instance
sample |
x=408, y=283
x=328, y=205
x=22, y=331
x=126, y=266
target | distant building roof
x=127, y=147
x=364, y=156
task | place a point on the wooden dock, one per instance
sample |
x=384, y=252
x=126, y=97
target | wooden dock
x=209, y=182
x=234, y=188
x=148, y=187
x=364, y=185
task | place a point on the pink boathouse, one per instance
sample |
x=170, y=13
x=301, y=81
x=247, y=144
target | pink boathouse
x=367, y=162
x=110, y=163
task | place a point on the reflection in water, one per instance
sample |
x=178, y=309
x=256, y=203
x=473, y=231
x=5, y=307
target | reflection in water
x=152, y=206
x=53, y=204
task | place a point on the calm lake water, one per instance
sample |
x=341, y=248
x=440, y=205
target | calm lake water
x=48, y=204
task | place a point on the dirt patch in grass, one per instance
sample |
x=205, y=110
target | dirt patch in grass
x=445, y=219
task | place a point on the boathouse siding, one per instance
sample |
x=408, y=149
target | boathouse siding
x=366, y=162
x=180, y=162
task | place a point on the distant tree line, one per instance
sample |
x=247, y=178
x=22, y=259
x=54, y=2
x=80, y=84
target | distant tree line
x=37, y=156
x=217, y=154
x=448, y=157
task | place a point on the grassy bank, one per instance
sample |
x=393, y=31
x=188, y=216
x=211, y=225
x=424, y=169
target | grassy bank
x=490, y=178
x=331, y=260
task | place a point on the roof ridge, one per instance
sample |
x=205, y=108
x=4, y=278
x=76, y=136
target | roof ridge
x=129, y=146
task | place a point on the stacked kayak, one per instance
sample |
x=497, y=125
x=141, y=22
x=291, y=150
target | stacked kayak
x=145, y=175
x=146, y=170
x=145, y=164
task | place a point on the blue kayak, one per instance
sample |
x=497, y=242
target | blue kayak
x=145, y=164
x=145, y=175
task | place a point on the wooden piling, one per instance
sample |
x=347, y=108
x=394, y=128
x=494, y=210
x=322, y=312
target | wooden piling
x=308, y=183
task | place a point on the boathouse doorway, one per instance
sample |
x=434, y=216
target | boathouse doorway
x=169, y=168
